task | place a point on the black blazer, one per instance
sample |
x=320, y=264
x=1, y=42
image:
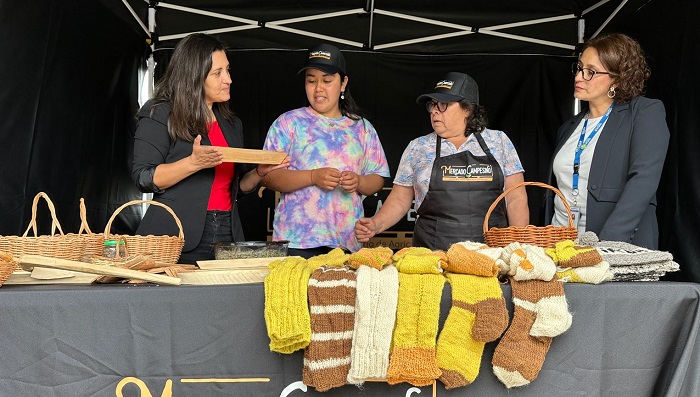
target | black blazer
x=189, y=197
x=625, y=172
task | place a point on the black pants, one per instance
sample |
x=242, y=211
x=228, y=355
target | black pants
x=217, y=229
x=307, y=253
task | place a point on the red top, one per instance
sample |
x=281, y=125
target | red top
x=220, y=197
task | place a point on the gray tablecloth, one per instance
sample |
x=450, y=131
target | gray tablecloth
x=627, y=339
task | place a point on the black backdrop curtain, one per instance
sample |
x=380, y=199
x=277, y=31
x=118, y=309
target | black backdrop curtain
x=68, y=99
x=69, y=96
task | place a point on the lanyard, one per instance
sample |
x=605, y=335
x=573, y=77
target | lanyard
x=582, y=145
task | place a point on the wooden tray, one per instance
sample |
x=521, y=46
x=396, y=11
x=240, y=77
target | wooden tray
x=217, y=277
x=22, y=277
x=252, y=156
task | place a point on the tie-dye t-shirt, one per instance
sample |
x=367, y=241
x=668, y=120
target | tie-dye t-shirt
x=311, y=217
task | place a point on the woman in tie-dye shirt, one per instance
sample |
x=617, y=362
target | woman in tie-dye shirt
x=336, y=160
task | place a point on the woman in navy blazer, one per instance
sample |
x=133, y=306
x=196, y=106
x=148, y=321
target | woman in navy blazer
x=176, y=156
x=609, y=158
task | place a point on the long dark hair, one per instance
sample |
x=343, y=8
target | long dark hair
x=477, y=120
x=182, y=87
x=622, y=55
x=348, y=107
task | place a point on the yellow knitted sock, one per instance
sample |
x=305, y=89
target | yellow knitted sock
x=374, y=257
x=286, y=309
x=478, y=315
x=418, y=310
x=541, y=312
x=335, y=258
x=567, y=254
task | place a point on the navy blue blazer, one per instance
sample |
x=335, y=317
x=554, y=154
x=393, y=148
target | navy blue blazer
x=189, y=197
x=625, y=172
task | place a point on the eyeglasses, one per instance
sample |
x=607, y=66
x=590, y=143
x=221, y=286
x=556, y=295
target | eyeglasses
x=441, y=106
x=586, y=73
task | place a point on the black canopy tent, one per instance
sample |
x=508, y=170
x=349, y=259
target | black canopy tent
x=70, y=127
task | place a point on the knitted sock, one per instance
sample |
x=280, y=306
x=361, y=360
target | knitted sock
x=375, y=316
x=417, y=315
x=286, y=309
x=335, y=258
x=528, y=262
x=588, y=274
x=419, y=260
x=478, y=315
x=374, y=257
x=541, y=313
x=332, y=306
x=461, y=259
x=566, y=254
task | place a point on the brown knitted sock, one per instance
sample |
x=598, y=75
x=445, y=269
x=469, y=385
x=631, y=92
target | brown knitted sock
x=332, y=293
x=540, y=313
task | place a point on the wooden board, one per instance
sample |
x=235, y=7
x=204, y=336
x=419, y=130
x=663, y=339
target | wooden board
x=29, y=262
x=26, y=278
x=217, y=277
x=239, y=264
x=253, y=156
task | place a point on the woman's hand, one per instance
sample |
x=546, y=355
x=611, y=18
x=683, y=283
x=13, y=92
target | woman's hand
x=365, y=229
x=325, y=178
x=349, y=181
x=204, y=156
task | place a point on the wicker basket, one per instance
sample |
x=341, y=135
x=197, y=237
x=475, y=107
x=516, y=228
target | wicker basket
x=93, y=243
x=545, y=236
x=55, y=245
x=163, y=249
x=7, y=266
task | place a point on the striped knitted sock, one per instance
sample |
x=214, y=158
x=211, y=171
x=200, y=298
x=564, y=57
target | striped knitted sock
x=567, y=254
x=597, y=274
x=375, y=316
x=286, y=309
x=420, y=291
x=332, y=293
x=374, y=257
x=478, y=315
x=541, y=312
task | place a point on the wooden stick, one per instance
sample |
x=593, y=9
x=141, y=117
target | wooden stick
x=28, y=262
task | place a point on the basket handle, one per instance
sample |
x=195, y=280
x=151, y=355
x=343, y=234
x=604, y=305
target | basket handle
x=84, y=227
x=510, y=189
x=151, y=202
x=52, y=209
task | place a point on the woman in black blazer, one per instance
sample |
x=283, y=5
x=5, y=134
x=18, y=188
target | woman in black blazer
x=609, y=158
x=176, y=156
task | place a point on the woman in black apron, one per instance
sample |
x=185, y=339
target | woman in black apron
x=454, y=193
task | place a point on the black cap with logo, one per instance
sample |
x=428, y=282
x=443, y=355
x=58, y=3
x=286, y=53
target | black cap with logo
x=453, y=87
x=325, y=57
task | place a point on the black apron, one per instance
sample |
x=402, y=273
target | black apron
x=462, y=188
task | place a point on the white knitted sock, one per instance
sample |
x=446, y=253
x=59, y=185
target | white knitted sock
x=375, y=316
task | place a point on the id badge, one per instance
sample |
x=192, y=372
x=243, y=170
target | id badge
x=576, y=216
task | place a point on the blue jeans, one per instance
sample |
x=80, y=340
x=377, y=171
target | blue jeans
x=217, y=229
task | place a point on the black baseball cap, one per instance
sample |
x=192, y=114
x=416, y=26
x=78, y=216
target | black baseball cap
x=453, y=87
x=325, y=57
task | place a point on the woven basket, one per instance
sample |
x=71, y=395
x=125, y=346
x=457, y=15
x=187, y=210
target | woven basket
x=163, y=249
x=55, y=245
x=93, y=243
x=545, y=236
x=7, y=266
